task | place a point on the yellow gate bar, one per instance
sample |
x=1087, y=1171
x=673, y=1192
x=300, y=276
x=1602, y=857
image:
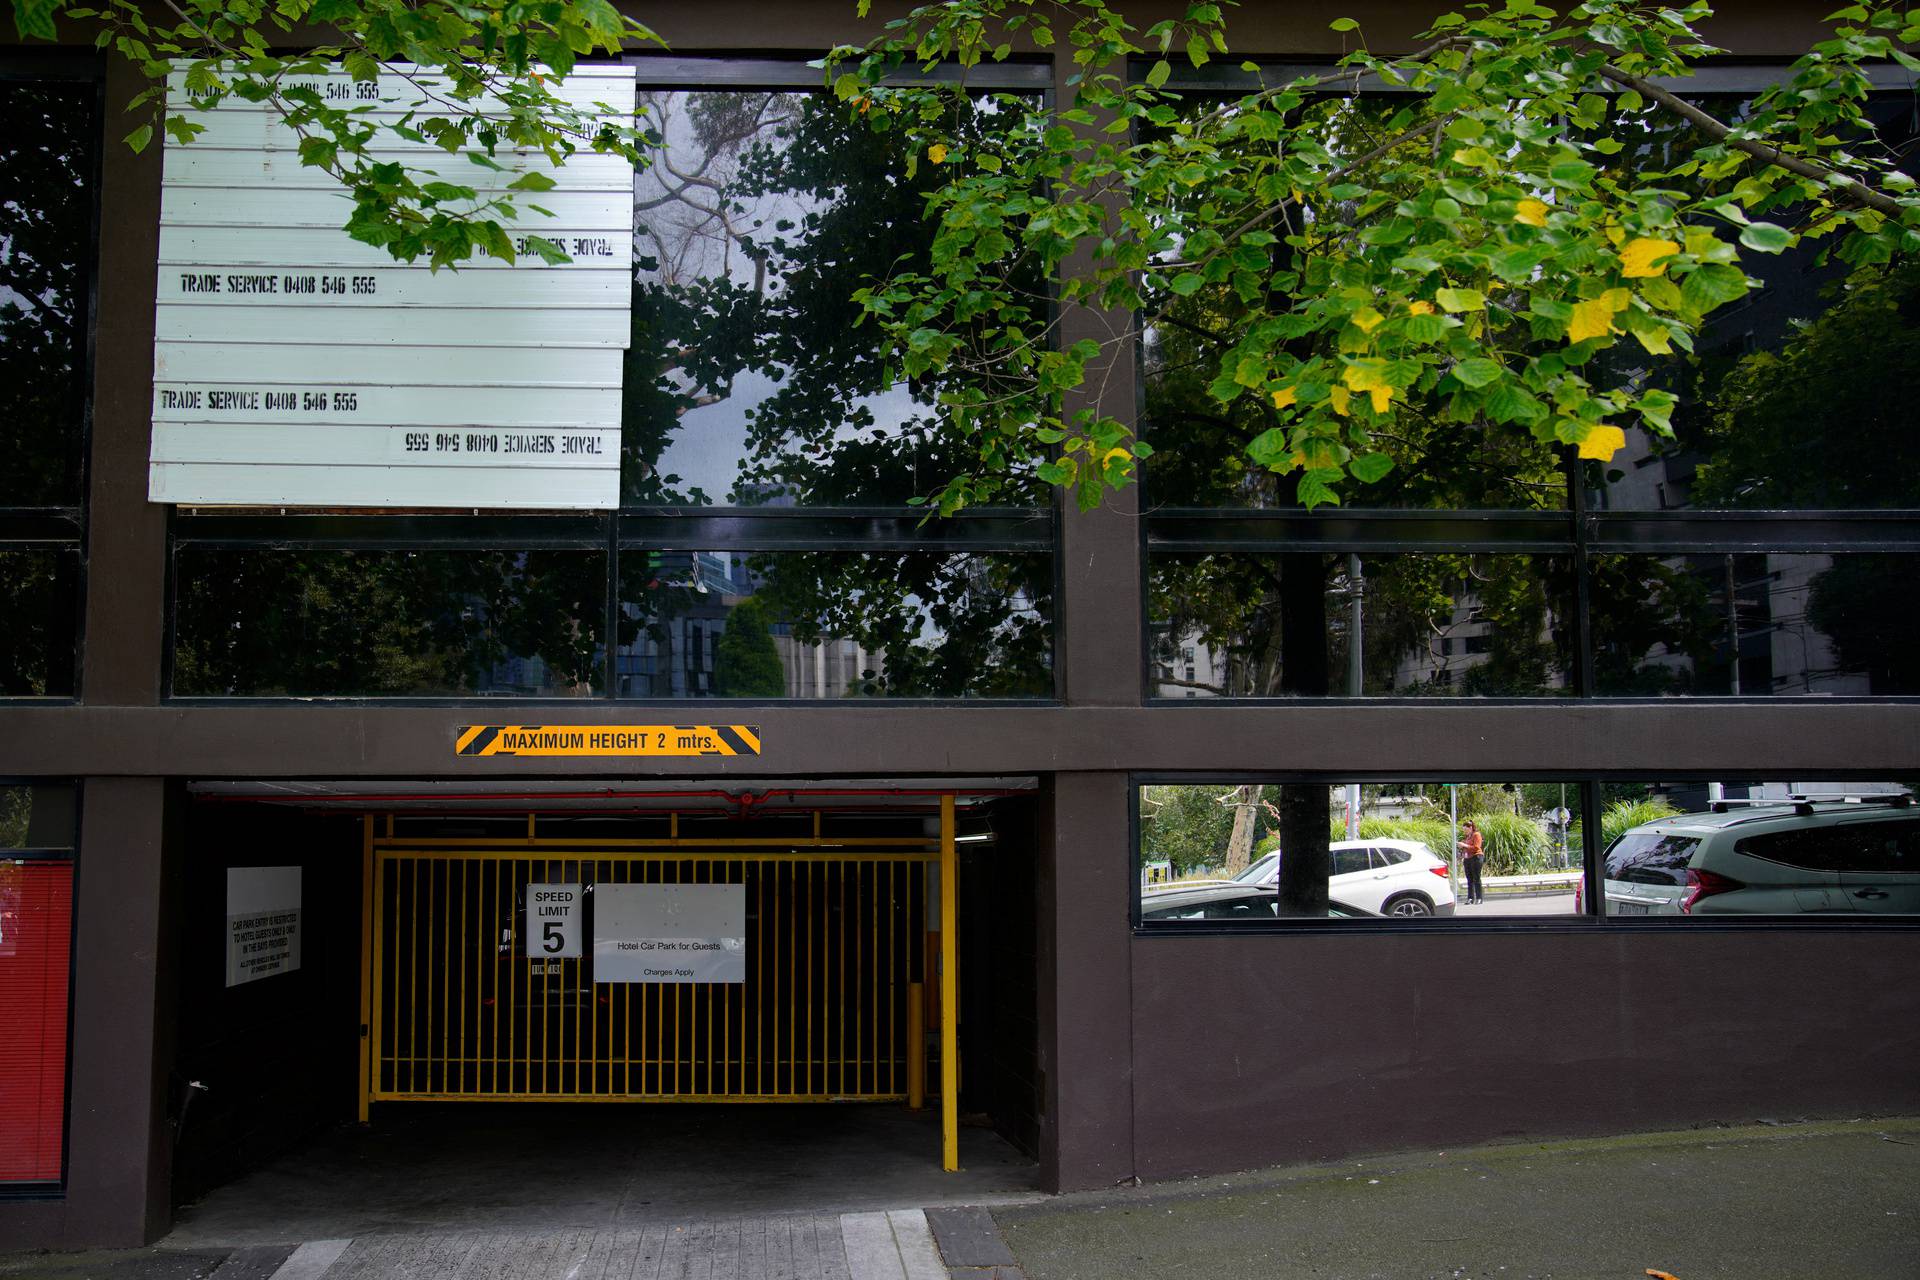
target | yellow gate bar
x=949, y=982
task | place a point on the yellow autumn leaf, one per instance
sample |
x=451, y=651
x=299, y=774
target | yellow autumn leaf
x=937, y=153
x=1603, y=442
x=1284, y=397
x=1422, y=308
x=1614, y=234
x=1366, y=319
x=1591, y=319
x=1370, y=376
x=1531, y=212
x=1638, y=257
x=1617, y=299
x=1342, y=400
x=1654, y=337
x=1113, y=453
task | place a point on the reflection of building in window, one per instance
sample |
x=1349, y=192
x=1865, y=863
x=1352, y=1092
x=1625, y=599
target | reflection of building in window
x=1187, y=667
x=1760, y=607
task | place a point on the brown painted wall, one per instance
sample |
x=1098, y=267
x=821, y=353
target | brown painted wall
x=1266, y=1050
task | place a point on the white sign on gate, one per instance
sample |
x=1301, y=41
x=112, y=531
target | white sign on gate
x=294, y=366
x=263, y=922
x=553, y=922
x=670, y=933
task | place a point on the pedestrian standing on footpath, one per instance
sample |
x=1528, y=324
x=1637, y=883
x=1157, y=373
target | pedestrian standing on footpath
x=1471, y=859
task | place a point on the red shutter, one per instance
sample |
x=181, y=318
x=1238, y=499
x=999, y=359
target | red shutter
x=36, y=933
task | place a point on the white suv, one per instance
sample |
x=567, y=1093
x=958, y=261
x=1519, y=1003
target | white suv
x=1795, y=858
x=1385, y=877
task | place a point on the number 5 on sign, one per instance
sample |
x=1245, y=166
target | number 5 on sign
x=553, y=922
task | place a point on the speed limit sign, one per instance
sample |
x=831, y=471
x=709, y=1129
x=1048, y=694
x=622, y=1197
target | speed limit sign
x=553, y=922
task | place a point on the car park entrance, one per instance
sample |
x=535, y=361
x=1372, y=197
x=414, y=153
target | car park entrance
x=814, y=991
x=841, y=970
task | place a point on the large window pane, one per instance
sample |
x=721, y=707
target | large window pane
x=1837, y=625
x=1795, y=397
x=1200, y=444
x=751, y=380
x=1836, y=851
x=39, y=606
x=835, y=625
x=1252, y=853
x=1243, y=625
x=441, y=623
x=46, y=245
x=37, y=815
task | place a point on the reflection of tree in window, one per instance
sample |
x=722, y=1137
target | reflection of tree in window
x=387, y=623
x=750, y=380
x=46, y=219
x=1459, y=625
x=847, y=624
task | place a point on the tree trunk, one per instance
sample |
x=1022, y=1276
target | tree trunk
x=1305, y=859
x=1240, y=843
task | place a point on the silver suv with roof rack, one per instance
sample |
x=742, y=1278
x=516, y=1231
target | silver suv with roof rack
x=1798, y=856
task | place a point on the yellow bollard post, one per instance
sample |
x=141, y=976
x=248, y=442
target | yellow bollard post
x=949, y=984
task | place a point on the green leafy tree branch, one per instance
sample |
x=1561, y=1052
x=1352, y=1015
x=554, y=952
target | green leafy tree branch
x=1442, y=240
x=479, y=77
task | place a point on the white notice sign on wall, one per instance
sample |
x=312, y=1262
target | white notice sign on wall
x=294, y=366
x=669, y=933
x=553, y=922
x=263, y=922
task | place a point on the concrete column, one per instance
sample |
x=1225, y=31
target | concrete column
x=119, y=1160
x=1099, y=614
x=1086, y=987
x=126, y=535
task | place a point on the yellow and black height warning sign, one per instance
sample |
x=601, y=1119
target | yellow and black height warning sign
x=608, y=740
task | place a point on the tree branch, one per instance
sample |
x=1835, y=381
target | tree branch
x=1856, y=192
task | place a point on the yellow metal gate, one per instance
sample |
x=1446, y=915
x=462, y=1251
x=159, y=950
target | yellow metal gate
x=839, y=943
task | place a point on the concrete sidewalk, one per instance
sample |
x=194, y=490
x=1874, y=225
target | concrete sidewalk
x=1790, y=1201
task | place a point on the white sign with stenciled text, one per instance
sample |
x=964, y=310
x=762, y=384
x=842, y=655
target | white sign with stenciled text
x=263, y=922
x=294, y=366
x=670, y=933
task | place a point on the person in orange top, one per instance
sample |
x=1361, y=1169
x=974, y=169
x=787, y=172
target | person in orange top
x=1472, y=859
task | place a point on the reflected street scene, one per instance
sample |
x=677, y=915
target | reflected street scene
x=1250, y=852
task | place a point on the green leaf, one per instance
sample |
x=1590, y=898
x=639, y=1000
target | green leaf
x=1713, y=285
x=1766, y=237
x=1343, y=24
x=532, y=182
x=1458, y=300
x=1157, y=75
x=1511, y=402
x=1477, y=372
x=1369, y=468
x=547, y=251
x=1269, y=447
x=139, y=138
x=1187, y=283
